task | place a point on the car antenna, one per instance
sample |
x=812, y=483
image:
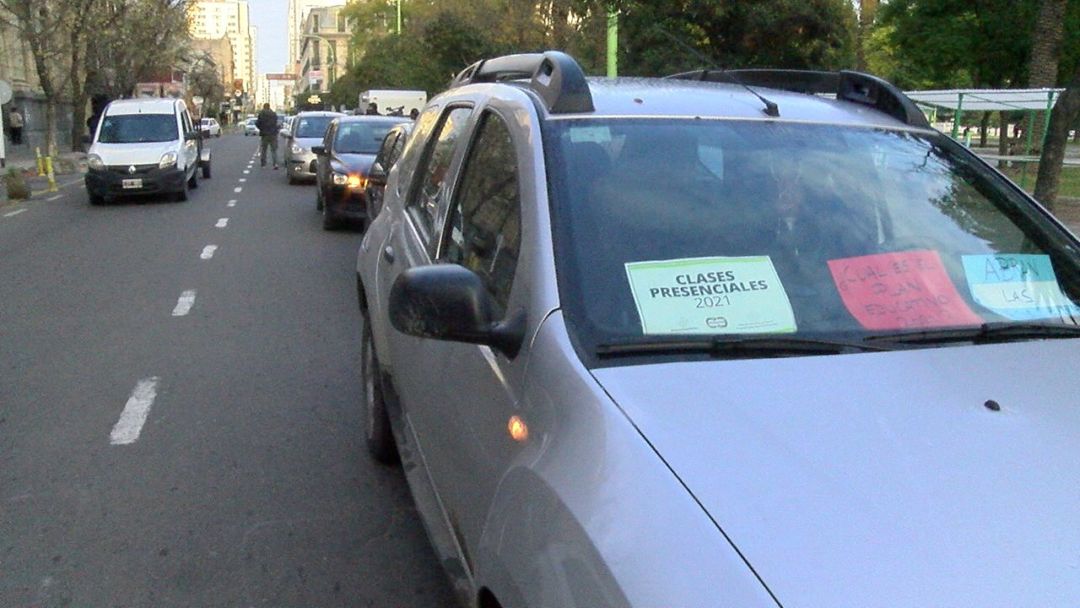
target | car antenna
x=771, y=109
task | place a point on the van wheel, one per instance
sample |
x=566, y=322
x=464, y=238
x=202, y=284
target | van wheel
x=193, y=181
x=206, y=169
x=182, y=194
x=96, y=199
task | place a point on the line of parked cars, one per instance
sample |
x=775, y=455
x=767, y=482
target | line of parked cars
x=728, y=338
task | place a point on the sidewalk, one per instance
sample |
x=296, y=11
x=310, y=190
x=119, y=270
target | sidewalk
x=23, y=158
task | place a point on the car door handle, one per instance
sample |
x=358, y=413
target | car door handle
x=388, y=254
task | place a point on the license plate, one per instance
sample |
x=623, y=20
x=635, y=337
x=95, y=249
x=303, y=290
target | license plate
x=131, y=183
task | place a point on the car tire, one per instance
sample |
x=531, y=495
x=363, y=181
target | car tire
x=182, y=193
x=377, y=434
x=193, y=181
x=206, y=170
x=318, y=198
x=96, y=199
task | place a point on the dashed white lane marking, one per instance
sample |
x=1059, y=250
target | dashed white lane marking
x=133, y=417
x=221, y=223
x=184, y=304
x=243, y=179
x=231, y=203
x=14, y=213
x=238, y=189
x=208, y=252
x=246, y=171
x=54, y=198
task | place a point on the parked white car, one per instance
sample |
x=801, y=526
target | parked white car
x=210, y=127
x=250, y=128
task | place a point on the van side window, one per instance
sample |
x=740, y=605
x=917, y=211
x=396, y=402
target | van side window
x=430, y=175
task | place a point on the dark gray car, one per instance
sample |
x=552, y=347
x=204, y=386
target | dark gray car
x=664, y=342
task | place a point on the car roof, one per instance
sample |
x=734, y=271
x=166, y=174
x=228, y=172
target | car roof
x=661, y=97
x=320, y=113
x=372, y=118
x=146, y=105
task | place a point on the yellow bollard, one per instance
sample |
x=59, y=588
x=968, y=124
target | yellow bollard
x=40, y=162
x=52, y=176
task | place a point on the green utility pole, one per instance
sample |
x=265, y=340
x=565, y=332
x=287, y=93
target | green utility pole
x=612, y=44
x=399, y=17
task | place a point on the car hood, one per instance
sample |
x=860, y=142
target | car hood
x=881, y=479
x=307, y=142
x=133, y=154
x=355, y=163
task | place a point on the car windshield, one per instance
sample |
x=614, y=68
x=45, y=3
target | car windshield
x=138, y=128
x=724, y=229
x=313, y=126
x=361, y=137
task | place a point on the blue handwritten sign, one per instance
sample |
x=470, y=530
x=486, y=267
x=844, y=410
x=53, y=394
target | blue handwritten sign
x=1018, y=286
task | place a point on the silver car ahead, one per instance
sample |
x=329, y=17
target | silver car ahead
x=307, y=129
x=671, y=343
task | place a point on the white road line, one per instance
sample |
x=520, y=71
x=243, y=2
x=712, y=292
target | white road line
x=243, y=179
x=184, y=304
x=53, y=198
x=247, y=171
x=238, y=189
x=208, y=252
x=14, y=213
x=221, y=223
x=133, y=417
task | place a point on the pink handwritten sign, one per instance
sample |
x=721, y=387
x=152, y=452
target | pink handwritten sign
x=904, y=290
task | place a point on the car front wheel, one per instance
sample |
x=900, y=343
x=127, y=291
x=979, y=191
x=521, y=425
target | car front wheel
x=377, y=434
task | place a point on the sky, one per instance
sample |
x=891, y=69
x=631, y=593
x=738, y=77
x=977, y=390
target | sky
x=270, y=16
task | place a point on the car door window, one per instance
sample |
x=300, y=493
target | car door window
x=431, y=175
x=395, y=151
x=484, y=226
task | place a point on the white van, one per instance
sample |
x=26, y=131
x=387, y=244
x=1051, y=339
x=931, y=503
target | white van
x=148, y=146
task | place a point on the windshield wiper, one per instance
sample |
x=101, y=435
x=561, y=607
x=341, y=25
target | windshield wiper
x=752, y=346
x=998, y=331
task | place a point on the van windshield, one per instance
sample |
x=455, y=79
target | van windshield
x=138, y=128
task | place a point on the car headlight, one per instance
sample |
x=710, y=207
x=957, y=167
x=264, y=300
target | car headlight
x=351, y=180
x=297, y=149
x=167, y=160
x=94, y=162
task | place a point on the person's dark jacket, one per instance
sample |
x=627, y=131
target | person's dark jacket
x=267, y=122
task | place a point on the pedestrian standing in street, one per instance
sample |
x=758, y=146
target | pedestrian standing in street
x=372, y=109
x=267, y=122
x=15, y=123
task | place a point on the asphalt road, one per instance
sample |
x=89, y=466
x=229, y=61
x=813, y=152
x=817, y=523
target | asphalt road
x=180, y=418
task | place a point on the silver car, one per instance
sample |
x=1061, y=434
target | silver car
x=717, y=340
x=307, y=129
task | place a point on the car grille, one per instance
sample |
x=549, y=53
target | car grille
x=123, y=170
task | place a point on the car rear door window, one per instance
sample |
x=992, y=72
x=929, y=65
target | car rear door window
x=484, y=229
x=432, y=172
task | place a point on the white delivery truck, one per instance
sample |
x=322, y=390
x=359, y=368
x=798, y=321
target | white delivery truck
x=392, y=101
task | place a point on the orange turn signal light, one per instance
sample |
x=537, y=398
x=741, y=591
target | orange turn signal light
x=519, y=431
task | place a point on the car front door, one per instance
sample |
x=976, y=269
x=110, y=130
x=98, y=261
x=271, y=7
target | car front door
x=323, y=179
x=190, y=147
x=468, y=394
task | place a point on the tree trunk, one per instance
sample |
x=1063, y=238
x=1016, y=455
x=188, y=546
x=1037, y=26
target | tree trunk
x=867, y=12
x=78, y=94
x=1065, y=113
x=983, y=127
x=1045, y=54
x=1003, y=137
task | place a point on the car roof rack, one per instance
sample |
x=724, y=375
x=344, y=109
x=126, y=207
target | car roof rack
x=553, y=75
x=854, y=87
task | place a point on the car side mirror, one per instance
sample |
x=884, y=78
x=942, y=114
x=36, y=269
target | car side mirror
x=191, y=135
x=377, y=172
x=318, y=150
x=450, y=302
x=85, y=140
